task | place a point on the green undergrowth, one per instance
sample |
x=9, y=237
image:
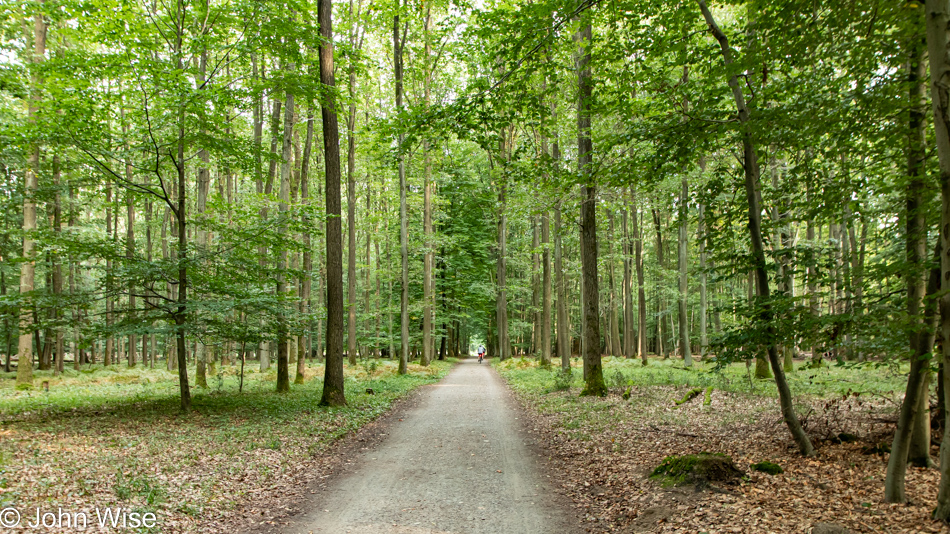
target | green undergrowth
x=645, y=391
x=118, y=388
x=143, y=442
x=822, y=382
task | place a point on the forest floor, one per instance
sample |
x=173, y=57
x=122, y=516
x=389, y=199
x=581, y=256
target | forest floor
x=606, y=448
x=115, y=437
x=458, y=460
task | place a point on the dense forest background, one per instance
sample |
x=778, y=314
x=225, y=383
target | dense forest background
x=754, y=181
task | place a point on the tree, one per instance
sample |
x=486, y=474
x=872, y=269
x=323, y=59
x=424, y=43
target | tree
x=24, y=378
x=593, y=369
x=333, y=394
x=750, y=166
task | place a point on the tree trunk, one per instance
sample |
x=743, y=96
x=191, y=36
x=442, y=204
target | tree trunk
x=58, y=268
x=628, y=336
x=919, y=317
x=752, y=175
x=535, y=310
x=918, y=454
x=283, y=360
x=938, y=46
x=180, y=314
x=351, y=200
x=7, y=327
x=306, y=279
x=24, y=376
x=563, y=326
x=660, y=301
x=641, y=290
x=681, y=261
x=333, y=394
x=703, y=304
x=593, y=369
x=403, y=219
x=428, y=298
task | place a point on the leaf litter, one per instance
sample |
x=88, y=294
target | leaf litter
x=605, y=448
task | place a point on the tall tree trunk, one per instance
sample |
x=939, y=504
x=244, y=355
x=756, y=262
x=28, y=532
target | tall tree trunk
x=306, y=279
x=681, y=261
x=130, y=257
x=181, y=314
x=614, y=344
x=501, y=296
x=629, y=338
x=403, y=219
x=703, y=304
x=593, y=369
x=535, y=287
x=7, y=327
x=57, y=266
x=204, y=186
x=333, y=394
x=660, y=301
x=752, y=175
x=428, y=298
x=283, y=360
x=24, y=376
x=351, y=199
x=916, y=396
x=546, y=291
x=641, y=289
x=563, y=326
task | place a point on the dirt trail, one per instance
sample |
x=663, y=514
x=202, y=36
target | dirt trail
x=458, y=461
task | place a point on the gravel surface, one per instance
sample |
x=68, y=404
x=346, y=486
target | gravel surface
x=458, y=461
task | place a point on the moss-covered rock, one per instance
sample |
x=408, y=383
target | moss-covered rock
x=697, y=468
x=767, y=467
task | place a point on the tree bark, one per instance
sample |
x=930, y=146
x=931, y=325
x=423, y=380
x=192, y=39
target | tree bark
x=24, y=377
x=536, y=289
x=629, y=338
x=703, y=304
x=681, y=260
x=403, y=218
x=306, y=279
x=351, y=198
x=428, y=297
x=937, y=14
x=660, y=301
x=333, y=394
x=593, y=369
x=283, y=360
x=58, y=268
x=641, y=289
x=546, y=292
x=915, y=224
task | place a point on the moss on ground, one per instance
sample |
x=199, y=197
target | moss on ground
x=696, y=468
x=768, y=467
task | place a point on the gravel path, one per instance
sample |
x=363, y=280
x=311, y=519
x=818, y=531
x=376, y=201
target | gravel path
x=459, y=461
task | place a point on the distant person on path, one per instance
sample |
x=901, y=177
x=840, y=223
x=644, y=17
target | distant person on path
x=481, y=353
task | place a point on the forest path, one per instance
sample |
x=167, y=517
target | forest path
x=458, y=461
